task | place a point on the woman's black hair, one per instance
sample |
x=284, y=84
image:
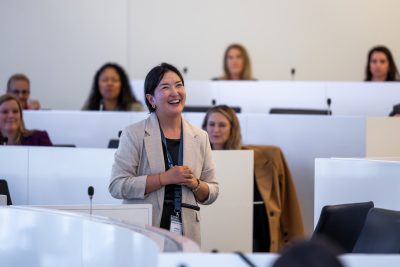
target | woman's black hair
x=154, y=77
x=125, y=98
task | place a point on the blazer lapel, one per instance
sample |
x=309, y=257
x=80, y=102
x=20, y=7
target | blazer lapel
x=153, y=147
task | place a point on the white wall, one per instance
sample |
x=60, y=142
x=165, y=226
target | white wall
x=60, y=44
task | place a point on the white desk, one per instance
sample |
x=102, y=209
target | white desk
x=61, y=176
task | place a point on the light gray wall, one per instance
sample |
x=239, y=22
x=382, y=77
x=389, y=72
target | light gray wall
x=60, y=44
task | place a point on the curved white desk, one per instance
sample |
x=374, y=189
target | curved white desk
x=41, y=237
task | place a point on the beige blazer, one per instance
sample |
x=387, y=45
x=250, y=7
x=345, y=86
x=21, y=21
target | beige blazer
x=140, y=154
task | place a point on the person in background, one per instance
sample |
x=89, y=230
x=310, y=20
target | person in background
x=164, y=160
x=315, y=253
x=380, y=65
x=276, y=215
x=111, y=91
x=18, y=85
x=12, y=127
x=237, y=64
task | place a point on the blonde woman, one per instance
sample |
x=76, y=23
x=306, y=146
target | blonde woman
x=12, y=127
x=237, y=64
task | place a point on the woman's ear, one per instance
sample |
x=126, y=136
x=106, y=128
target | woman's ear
x=150, y=98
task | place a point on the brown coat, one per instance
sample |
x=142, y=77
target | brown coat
x=278, y=192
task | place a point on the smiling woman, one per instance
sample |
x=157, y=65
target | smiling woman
x=12, y=127
x=164, y=160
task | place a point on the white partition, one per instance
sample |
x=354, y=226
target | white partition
x=139, y=214
x=363, y=98
x=61, y=176
x=383, y=137
x=302, y=139
x=81, y=128
x=227, y=224
x=14, y=163
x=340, y=181
x=347, y=98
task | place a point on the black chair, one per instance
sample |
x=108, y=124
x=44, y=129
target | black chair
x=4, y=191
x=114, y=143
x=206, y=108
x=342, y=224
x=381, y=233
x=300, y=111
x=64, y=145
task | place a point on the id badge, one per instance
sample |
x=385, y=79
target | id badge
x=176, y=225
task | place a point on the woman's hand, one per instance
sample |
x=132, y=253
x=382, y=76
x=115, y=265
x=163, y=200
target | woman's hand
x=181, y=175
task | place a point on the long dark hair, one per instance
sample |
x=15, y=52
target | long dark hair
x=393, y=74
x=154, y=77
x=125, y=98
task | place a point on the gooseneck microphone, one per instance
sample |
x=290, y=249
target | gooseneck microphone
x=329, y=102
x=292, y=73
x=90, y=191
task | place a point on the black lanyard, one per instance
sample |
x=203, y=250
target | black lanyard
x=177, y=189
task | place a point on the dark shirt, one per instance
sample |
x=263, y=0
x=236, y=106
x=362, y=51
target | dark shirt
x=168, y=210
x=36, y=138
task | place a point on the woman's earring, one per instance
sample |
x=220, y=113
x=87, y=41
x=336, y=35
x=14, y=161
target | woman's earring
x=153, y=106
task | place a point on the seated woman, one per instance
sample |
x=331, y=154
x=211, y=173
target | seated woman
x=111, y=91
x=276, y=216
x=380, y=65
x=12, y=127
x=236, y=64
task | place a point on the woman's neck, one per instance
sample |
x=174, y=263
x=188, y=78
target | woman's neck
x=171, y=126
x=218, y=147
x=235, y=77
x=11, y=137
x=379, y=79
x=110, y=104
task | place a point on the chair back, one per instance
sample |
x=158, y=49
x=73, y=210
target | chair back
x=4, y=191
x=381, y=233
x=342, y=224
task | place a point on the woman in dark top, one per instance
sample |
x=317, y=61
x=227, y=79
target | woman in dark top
x=380, y=65
x=12, y=127
x=111, y=91
x=164, y=160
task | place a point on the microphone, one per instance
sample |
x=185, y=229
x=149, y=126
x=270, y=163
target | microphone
x=329, y=102
x=185, y=70
x=213, y=102
x=90, y=191
x=5, y=141
x=101, y=107
x=292, y=72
